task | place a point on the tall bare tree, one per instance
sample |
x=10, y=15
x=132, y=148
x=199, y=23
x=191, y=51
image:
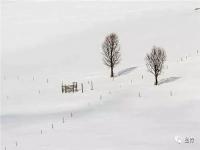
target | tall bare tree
x=155, y=61
x=111, y=51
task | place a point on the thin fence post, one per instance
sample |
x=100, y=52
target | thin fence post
x=73, y=88
x=63, y=120
x=62, y=88
x=92, y=86
x=139, y=94
x=171, y=93
x=52, y=126
x=65, y=88
x=71, y=114
x=82, y=87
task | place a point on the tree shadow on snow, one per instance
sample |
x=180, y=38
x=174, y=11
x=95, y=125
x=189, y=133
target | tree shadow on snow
x=167, y=80
x=126, y=71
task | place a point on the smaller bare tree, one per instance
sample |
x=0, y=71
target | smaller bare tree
x=155, y=61
x=111, y=51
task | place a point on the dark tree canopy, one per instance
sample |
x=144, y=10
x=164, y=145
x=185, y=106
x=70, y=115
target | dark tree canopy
x=111, y=51
x=155, y=61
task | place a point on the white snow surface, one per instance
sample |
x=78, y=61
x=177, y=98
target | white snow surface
x=61, y=42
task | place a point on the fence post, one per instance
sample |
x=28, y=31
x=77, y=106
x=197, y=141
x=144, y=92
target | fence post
x=62, y=88
x=82, y=87
x=52, y=126
x=65, y=88
x=92, y=86
x=139, y=94
x=171, y=93
x=63, y=120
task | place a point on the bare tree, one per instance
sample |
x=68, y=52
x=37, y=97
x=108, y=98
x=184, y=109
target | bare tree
x=111, y=51
x=155, y=61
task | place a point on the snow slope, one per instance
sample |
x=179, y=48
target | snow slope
x=49, y=42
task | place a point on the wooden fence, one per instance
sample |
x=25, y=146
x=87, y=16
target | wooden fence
x=70, y=88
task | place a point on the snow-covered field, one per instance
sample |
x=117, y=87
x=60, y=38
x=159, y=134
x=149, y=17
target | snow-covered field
x=47, y=43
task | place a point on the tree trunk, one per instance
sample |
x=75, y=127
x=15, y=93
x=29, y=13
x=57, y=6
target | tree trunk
x=156, y=80
x=112, y=73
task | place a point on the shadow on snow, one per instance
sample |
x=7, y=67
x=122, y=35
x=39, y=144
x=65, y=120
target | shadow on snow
x=126, y=71
x=167, y=80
